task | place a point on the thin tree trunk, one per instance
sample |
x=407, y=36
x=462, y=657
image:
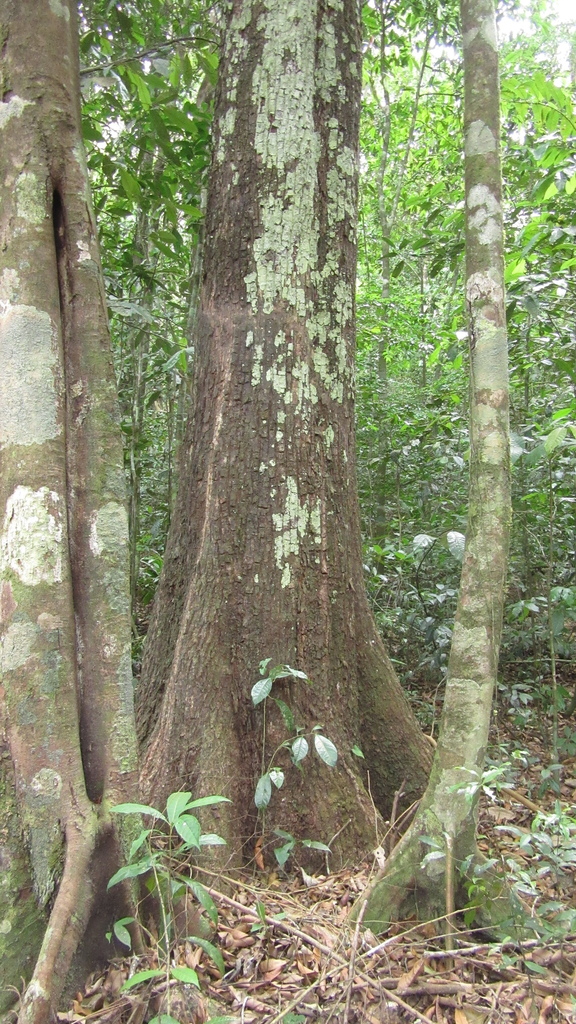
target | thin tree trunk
x=264, y=557
x=417, y=877
x=66, y=719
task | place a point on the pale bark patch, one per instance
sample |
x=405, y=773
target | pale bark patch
x=17, y=646
x=9, y=283
x=109, y=529
x=28, y=358
x=13, y=108
x=30, y=198
x=486, y=221
x=32, y=533
x=479, y=139
x=60, y=9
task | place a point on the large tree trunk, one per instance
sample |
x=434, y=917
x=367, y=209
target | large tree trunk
x=264, y=556
x=66, y=719
x=438, y=853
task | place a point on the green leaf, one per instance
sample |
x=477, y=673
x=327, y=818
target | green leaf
x=141, y=976
x=132, y=871
x=212, y=951
x=129, y=184
x=211, y=839
x=137, y=843
x=263, y=791
x=163, y=1018
x=535, y=968
x=555, y=439
x=456, y=542
x=325, y=749
x=188, y=828
x=186, y=975
x=286, y=712
x=203, y=896
x=260, y=690
x=176, y=804
x=356, y=750
x=137, y=809
x=282, y=853
x=276, y=777
x=299, y=749
x=121, y=932
x=208, y=801
x=313, y=844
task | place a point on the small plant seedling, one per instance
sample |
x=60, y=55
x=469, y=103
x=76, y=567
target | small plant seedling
x=159, y=852
x=297, y=744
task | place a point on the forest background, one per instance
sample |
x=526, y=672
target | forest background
x=148, y=77
x=412, y=417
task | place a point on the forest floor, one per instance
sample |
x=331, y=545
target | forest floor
x=291, y=956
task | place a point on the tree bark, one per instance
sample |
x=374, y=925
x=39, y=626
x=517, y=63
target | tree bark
x=264, y=557
x=417, y=877
x=66, y=717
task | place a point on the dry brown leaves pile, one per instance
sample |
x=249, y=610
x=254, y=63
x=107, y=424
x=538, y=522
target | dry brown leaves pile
x=291, y=955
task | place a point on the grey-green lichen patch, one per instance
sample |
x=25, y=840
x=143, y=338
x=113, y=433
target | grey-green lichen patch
x=257, y=365
x=287, y=143
x=9, y=282
x=482, y=287
x=479, y=139
x=31, y=203
x=123, y=744
x=291, y=525
x=32, y=536
x=16, y=646
x=12, y=108
x=276, y=374
x=84, y=253
x=60, y=9
x=28, y=357
x=327, y=77
x=109, y=530
x=487, y=218
x=45, y=838
x=486, y=29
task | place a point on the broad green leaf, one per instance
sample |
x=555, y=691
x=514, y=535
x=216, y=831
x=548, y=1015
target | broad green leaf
x=276, y=777
x=203, y=896
x=211, y=839
x=555, y=439
x=286, y=712
x=422, y=541
x=263, y=791
x=456, y=542
x=186, y=975
x=137, y=809
x=260, y=690
x=356, y=750
x=188, y=828
x=282, y=853
x=325, y=749
x=208, y=801
x=121, y=932
x=212, y=951
x=129, y=184
x=141, y=976
x=313, y=844
x=299, y=749
x=176, y=804
x=132, y=871
x=137, y=843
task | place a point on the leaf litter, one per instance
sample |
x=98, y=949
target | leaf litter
x=288, y=952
